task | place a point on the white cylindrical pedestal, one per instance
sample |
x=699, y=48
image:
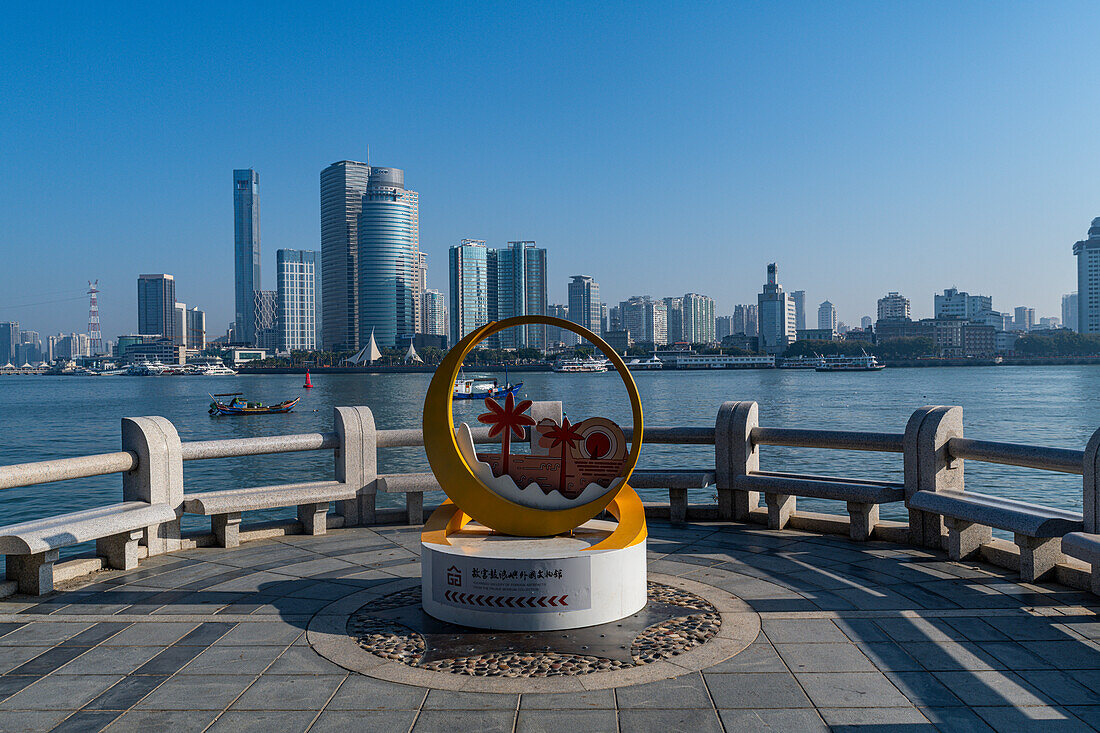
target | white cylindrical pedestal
x=492, y=581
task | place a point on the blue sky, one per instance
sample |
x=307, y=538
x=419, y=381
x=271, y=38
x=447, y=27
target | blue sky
x=659, y=147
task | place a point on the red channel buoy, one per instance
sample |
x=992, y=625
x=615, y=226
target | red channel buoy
x=308, y=384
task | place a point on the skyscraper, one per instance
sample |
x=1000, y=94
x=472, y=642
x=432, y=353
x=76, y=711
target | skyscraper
x=698, y=319
x=799, y=298
x=865, y=322
x=468, y=264
x=421, y=287
x=343, y=185
x=584, y=302
x=266, y=309
x=520, y=291
x=776, y=315
x=674, y=309
x=1024, y=319
x=893, y=307
x=1087, y=252
x=1070, y=311
x=296, y=293
x=389, y=258
x=723, y=326
x=179, y=324
x=156, y=305
x=434, y=306
x=826, y=316
x=196, y=329
x=745, y=319
x=246, y=250
x=9, y=337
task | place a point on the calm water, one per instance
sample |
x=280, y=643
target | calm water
x=53, y=417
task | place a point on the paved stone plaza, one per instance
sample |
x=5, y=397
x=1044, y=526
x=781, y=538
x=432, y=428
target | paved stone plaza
x=853, y=636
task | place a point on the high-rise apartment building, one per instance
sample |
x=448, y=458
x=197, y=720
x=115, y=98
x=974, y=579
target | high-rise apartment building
x=674, y=308
x=421, y=287
x=156, y=305
x=799, y=298
x=826, y=316
x=646, y=319
x=246, y=251
x=1087, y=252
x=745, y=320
x=959, y=305
x=723, y=326
x=865, y=322
x=1070, y=311
x=555, y=334
x=389, y=258
x=434, y=305
x=698, y=319
x=343, y=185
x=1024, y=319
x=468, y=266
x=296, y=295
x=519, y=271
x=196, y=329
x=777, y=321
x=179, y=324
x=894, y=307
x=584, y=303
x=9, y=338
x=266, y=308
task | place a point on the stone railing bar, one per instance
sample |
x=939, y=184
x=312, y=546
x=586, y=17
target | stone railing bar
x=835, y=439
x=1016, y=454
x=674, y=436
x=199, y=450
x=414, y=438
x=63, y=469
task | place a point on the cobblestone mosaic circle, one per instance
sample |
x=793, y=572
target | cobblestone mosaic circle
x=394, y=628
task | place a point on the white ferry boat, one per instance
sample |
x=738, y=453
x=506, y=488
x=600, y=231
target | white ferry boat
x=801, y=362
x=571, y=366
x=864, y=363
x=638, y=365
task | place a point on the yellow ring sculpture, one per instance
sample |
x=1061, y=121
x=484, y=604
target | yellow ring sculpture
x=470, y=496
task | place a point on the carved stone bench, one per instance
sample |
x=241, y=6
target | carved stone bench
x=33, y=547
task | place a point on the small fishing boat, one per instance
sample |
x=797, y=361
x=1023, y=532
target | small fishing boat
x=479, y=389
x=238, y=406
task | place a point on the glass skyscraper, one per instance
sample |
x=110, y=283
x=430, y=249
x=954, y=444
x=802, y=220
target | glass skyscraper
x=521, y=291
x=389, y=259
x=584, y=303
x=246, y=251
x=157, y=305
x=342, y=187
x=469, y=277
x=296, y=277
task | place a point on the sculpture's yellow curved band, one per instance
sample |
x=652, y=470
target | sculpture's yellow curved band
x=472, y=496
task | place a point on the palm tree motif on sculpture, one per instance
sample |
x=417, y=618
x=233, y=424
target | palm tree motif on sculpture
x=506, y=420
x=564, y=437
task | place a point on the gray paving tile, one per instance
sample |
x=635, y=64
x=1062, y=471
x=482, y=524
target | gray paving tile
x=948, y=656
x=555, y=721
x=126, y=693
x=170, y=660
x=110, y=660
x=1032, y=719
x=1014, y=656
x=793, y=720
x=861, y=630
x=1028, y=628
x=851, y=690
x=694, y=720
x=274, y=632
x=49, y=660
x=32, y=721
x=289, y=692
x=975, y=629
x=802, y=631
x=83, y=721
x=365, y=693
x=884, y=720
x=339, y=721
x=992, y=688
x=758, y=657
x=302, y=660
x=176, y=721
x=889, y=656
x=763, y=690
x=205, y=634
x=956, y=720
x=196, y=693
x=449, y=721
x=688, y=691
x=59, y=692
x=1066, y=654
x=1061, y=687
x=150, y=634
x=450, y=700
x=828, y=657
x=43, y=633
x=595, y=699
x=1088, y=713
x=13, y=656
x=220, y=659
x=255, y=721
x=924, y=689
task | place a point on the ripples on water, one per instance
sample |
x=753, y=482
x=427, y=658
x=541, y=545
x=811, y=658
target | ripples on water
x=54, y=417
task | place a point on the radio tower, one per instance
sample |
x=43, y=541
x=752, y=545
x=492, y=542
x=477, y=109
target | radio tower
x=95, y=338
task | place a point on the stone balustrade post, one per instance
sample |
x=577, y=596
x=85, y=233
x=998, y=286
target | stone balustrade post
x=929, y=467
x=356, y=463
x=541, y=411
x=158, y=477
x=735, y=455
x=1092, y=484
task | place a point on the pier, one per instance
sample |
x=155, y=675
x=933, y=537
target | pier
x=809, y=620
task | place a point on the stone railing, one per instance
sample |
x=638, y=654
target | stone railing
x=942, y=514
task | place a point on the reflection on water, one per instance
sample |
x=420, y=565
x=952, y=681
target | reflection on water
x=54, y=417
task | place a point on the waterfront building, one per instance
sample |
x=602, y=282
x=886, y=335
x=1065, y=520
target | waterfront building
x=1087, y=252
x=896, y=328
x=799, y=298
x=1004, y=342
x=646, y=319
x=893, y=307
x=9, y=337
x=698, y=319
x=865, y=335
x=179, y=324
x=584, y=303
x=266, y=310
x=1048, y=323
x=999, y=321
x=1024, y=319
x=388, y=258
x=196, y=329
x=246, y=250
x=817, y=334
x=555, y=335
x=614, y=319
x=296, y=297
x=604, y=318
x=776, y=315
x=618, y=340
x=1070, y=311
x=826, y=317
x=343, y=185
x=519, y=271
x=723, y=326
x=156, y=305
x=674, y=309
x=865, y=322
x=955, y=304
x=435, y=313
x=745, y=320
x=421, y=285
x=468, y=264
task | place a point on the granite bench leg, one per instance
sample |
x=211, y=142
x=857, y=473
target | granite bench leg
x=314, y=517
x=33, y=574
x=965, y=538
x=863, y=518
x=121, y=550
x=780, y=508
x=743, y=503
x=677, y=505
x=1094, y=578
x=227, y=529
x=1038, y=556
x=414, y=506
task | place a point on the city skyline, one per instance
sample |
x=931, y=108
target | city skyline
x=930, y=182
